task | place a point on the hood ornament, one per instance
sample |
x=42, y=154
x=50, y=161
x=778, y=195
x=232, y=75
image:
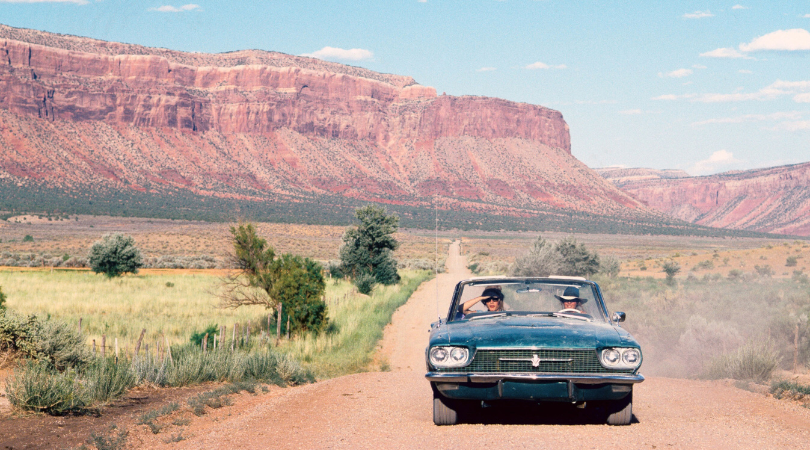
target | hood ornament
x=535, y=360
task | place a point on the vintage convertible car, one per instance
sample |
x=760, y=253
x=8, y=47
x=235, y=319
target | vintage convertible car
x=531, y=339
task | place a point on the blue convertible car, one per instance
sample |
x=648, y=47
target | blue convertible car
x=531, y=339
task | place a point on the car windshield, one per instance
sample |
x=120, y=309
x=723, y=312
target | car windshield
x=554, y=298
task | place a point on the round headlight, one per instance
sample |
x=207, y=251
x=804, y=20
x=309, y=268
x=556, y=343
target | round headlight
x=458, y=354
x=611, y=356
x=439, y=354
x=631, y=356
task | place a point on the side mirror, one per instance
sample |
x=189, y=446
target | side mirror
x=619, y=316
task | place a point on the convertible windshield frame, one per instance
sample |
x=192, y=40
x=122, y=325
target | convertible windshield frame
x=581, y=283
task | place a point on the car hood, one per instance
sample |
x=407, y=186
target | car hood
x=529, y=332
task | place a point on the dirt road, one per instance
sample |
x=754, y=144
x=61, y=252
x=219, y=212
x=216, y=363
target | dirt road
x=393, y=409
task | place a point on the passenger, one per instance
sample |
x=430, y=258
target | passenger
x=491, y=298
x=571, y=301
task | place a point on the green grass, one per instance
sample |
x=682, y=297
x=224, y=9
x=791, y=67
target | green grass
x=121, y=308
x=357, y=323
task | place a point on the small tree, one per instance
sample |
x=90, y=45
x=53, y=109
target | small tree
x=576, y=259
x=367, y=248
x=114, y=255
x=290, y=284
x=671, y=268
x=610, y=266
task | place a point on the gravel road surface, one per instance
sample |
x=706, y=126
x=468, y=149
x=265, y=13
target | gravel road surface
x=394, y=409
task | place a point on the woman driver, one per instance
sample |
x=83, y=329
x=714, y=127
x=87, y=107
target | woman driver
x=492, y=298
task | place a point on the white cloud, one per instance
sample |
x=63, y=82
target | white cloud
x=739, y=7
x=719, y=160
x=631, y=112
x=724, y=53
x=698, y=15
x=806, y=16
x=78, y=2
x=797, y=125
x=485, y=69
x=788, y=115
x=422, y=1
x=775, y=90
x=698, y=66
x=339, y=54
x=541, y=65
x=780, y=40
x=744, y=71
x=680, y=73
x=169, y=8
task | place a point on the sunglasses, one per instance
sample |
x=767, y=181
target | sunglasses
x=492, y=299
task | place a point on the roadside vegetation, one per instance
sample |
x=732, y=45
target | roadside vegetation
x=80, y=341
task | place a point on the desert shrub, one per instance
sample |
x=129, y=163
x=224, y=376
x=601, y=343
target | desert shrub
x=754, y=361
x=735, y=274
x=610, y=266
x=800, y=277
x=365, y=283
x=28, y=238
x=791, y=261
x=115, y=441
x=62, y=345
x=576, y=259
x=703, y=340
x=38, y=386
x=764, y=271
x=789, y=389
x=707, y=265
x=423, y=264
x=334, y=270
x=189, y=365
x=543, y=259
x=106, y=380
x=2, y=300
x=19, y=334
x=671, y=268
x=114, y=255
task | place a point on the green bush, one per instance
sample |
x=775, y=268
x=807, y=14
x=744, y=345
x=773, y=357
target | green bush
x=671, y=268
x=198, y=336
x=106, y=380
x=28, y=238
x=114, y=255
x=792, y=261
x=2, y=300
x=365, y=283
x=20, y=334
x=367, y=248
x=62, y=345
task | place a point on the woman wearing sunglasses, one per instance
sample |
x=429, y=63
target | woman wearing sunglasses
x=491, y=298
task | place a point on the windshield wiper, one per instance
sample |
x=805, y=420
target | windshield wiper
x=488, y=316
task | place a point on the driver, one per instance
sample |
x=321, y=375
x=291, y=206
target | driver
x=492, y=298
x=571, y=301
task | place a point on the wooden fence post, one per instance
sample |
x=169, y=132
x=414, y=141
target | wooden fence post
x=138, y=345
x=288, y=327
x=278, y=324
x=94, y=346
x=80, y=325
x=216, y=338
x=233, y=336
x=103, y=345
x=205, y=343
x=222, y=336
x=168, y=350
x=116, y=350
x=247, y=333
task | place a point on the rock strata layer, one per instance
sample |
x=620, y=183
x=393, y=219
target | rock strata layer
x=76, y=111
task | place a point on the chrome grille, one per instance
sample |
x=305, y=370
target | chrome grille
x=523, y=361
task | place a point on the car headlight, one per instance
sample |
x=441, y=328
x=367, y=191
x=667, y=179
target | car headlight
x=620, y=358
x=444, y=357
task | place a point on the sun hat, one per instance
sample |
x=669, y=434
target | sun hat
x=571, y=294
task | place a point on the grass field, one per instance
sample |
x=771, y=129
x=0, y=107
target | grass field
x=174, y=305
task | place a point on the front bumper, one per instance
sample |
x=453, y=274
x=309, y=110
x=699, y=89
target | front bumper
x=532, y=386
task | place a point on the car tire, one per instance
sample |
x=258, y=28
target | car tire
x=620, y=412
x=445, y=411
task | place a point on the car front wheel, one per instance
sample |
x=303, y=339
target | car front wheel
x=445, y=411
x=620, y=412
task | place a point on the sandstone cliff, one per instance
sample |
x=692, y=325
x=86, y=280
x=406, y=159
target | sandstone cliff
x=253, y=124
x=773, y=200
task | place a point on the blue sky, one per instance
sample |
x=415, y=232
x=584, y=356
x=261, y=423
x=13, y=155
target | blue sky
x=701, y=86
